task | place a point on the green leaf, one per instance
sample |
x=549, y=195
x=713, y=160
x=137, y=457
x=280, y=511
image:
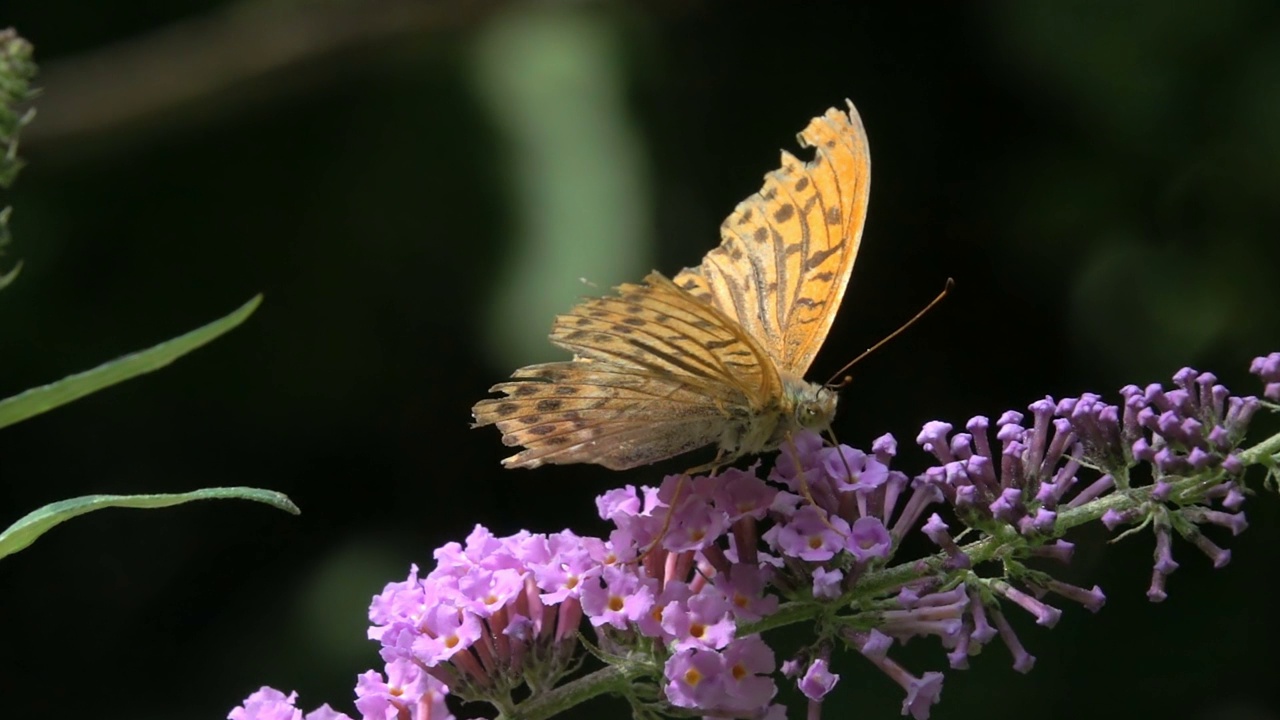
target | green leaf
x=8, y=277
x=47, y=397
x=24, y=532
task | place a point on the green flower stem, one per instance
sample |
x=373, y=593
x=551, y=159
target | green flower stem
x=610, y=679
x=1257, y=453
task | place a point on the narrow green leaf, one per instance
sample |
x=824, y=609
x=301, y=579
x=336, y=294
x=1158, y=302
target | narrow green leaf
x=47, y=397
x=8, y=277
x=36, y=523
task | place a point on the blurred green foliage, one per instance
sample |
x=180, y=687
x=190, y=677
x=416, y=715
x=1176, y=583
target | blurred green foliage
x=552, y=81
x=16, y=71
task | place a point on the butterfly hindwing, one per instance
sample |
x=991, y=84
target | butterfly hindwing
x=656, y=373
x=569, y=412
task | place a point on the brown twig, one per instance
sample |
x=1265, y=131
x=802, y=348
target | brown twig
x=212, y=57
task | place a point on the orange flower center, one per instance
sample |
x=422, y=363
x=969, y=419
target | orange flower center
x=615, y=603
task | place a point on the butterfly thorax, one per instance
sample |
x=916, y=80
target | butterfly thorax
x=806, y=405
x=802, y=406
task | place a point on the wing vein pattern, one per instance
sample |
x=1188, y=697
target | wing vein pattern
x=787, y=251
x=656, y=372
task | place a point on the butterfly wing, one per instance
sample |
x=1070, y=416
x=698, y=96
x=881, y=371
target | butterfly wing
x=786, y=252
x=656, y=372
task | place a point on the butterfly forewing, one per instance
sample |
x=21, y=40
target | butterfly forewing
x=786, y=252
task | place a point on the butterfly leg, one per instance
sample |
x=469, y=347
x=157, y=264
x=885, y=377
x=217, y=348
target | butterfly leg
x=710, y=469
x=804, y=484
x=666, y=521
x=848, y=471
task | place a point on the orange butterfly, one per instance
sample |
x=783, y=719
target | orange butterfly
x=718, y=354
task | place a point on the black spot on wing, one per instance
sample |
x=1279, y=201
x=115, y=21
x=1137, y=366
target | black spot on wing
x=815, y=260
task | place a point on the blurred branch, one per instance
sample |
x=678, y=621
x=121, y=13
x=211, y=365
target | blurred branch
x=134, y=81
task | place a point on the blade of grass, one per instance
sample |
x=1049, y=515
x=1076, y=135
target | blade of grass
x=73, y=387
x=37, y=522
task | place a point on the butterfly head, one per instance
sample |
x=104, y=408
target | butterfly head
x=816, y=412
x=813, y=405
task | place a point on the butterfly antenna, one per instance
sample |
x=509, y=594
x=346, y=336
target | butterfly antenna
x=945, y=290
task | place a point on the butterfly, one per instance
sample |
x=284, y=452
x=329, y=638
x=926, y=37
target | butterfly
x=718, y=353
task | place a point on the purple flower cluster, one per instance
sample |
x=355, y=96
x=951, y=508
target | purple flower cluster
x=406, y=693
x=1193, y=427
x=271, y=704
x=494, y=614
x=675, y=594
x=685, y=568
x=1267, y=368
x=1187, y=435
x=837, y=518
x=687, y=595
x=1025, y=482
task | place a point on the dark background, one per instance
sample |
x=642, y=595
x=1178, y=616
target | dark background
x=417, y=189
